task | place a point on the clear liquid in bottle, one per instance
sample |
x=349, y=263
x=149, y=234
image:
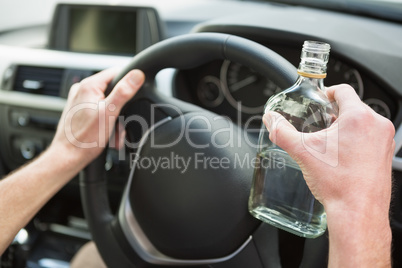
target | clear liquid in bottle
x=279, y=194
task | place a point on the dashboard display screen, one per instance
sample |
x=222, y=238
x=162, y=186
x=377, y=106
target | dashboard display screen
x=98, y=30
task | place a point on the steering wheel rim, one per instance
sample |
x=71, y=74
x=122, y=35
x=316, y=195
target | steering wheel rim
x=182, y=52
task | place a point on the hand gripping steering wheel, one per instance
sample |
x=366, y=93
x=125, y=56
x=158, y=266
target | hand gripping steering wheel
x=197, y=216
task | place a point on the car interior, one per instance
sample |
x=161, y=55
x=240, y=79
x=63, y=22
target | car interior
x=222, y=59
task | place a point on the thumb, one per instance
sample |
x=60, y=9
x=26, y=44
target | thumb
x=125, y=89
x=281, y=132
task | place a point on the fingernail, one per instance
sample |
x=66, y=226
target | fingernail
x=267, y=119
x=136, y=78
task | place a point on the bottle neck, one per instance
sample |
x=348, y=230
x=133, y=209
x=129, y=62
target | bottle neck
x=313, y=60
x=314, y=80
x=311, y=75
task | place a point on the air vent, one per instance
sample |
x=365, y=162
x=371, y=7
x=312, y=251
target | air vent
x=38, y=80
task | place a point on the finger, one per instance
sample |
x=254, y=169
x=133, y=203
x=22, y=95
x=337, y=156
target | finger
x=102, y=79
x=349, y=102
x=125, y=89
x=345, y=96
x=121, y=136
x=281, y=132
x=73, y=90
x=118, y=137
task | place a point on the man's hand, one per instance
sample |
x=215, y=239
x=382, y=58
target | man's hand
x=89, y=118
x=83, y=132
x=348, y=169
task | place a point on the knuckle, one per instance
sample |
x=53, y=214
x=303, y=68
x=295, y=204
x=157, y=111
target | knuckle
x=343, y=88
x=347, y=87
x=121, y=93
x=388, y=127
x=86, y=80
x=365, y=115
x=124, y=90
x=88, y=89
x=74, y=89
x=361, y=118
x=367, y=121
x=88, y=85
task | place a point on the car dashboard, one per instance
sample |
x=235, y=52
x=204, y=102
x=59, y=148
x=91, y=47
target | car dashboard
x=35, y=80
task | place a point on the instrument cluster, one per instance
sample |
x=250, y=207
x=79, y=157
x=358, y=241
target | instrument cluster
x=231, y=89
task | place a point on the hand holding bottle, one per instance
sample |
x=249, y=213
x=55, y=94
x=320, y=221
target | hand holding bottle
x=279, y=195
x=359, y=145
x=352, y=178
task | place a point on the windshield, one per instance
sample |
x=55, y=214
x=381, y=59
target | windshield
x=384, y=9
x=20, y=13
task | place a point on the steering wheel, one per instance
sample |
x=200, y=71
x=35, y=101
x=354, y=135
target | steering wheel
x=187, y=214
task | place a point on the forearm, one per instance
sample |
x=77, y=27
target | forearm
x=359, y=239
x=24, y=192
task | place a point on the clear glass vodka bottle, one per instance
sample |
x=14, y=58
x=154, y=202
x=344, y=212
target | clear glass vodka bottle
x=279, y=194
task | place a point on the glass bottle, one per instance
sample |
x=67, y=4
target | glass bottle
x=279, y=194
